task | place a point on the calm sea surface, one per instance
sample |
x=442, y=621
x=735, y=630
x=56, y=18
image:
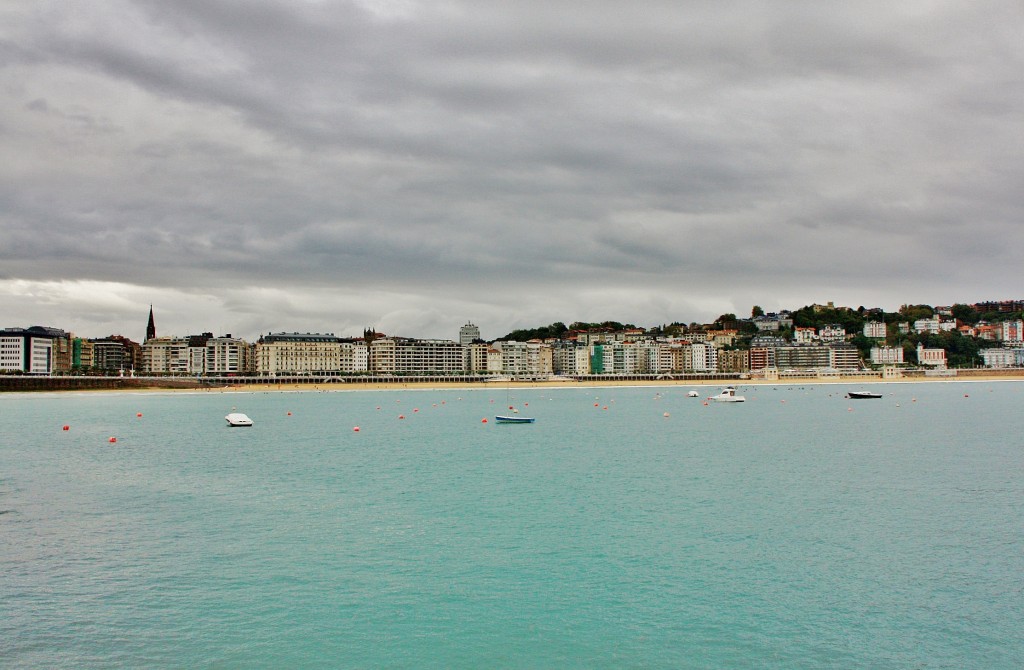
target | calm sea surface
x=796, y=530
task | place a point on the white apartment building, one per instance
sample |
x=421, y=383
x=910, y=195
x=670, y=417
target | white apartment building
x=297, y=354
x=227, y=355
x=1001, y=358
x=525, y=358
x=354, y=356
x=927, y=325
x=887, y=355
x=166, y=355
x=413, y=357
x=570, y=359
x=705, y=357
x=875, y=329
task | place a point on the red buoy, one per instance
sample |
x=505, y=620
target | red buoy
x=112, y=440
x=138, y=414
x=66, y=427
x=401, y=416
x=483, y=420
x=355, y=429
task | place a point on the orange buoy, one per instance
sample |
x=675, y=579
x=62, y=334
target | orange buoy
x=112, y=440
x=665, y=415
x=138, y=414
x=355, y=429
x=483, y=420
x=416, y=409
x=401, y=416
x=66, y=427
x=605, y=407
x=289, y=413
x=596, y=405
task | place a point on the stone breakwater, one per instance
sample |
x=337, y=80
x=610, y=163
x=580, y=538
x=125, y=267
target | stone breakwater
x=83, y=383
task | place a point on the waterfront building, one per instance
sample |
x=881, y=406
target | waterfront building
x=476, y=357
x=935, y=358
x=887, y=355
x=704, y=357
x=568, y=358
x=110, y=355
x=844, y=356
x=803, y=357
x=166, y=355
x=531, y=359
x=404, y=356
x=875, y=329
x=298, y=354
x=355, y=356
x=81, y=354
x=468, y=334
x=30, y=350
x=735, y=360
x=227, y=356
x=761, y=358
x=197, y=353
x=1001, y=357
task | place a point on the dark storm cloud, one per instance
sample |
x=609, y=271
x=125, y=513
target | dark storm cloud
x=414, y=163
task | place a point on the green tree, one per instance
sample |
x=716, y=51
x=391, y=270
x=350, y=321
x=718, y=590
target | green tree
x=756, y=311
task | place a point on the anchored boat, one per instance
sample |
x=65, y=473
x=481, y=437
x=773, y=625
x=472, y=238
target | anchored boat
x=514, y=419
x=237, y=420
x=728, y=394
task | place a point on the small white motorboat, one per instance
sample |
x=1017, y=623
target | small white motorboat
x=728, y=394
x=237, y=419
x=692, y=394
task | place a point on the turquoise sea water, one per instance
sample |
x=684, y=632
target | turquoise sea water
x=797, y=530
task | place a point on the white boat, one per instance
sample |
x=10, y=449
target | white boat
x=514, y=419
x=728, y=394
x=692, y=394
x=237, y=419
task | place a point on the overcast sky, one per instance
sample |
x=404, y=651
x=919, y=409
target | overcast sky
x=249, y=166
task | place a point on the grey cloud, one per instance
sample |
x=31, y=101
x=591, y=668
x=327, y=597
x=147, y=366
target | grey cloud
x=688, y=153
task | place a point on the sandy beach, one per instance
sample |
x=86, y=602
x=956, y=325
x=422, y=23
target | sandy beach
x=848, y=380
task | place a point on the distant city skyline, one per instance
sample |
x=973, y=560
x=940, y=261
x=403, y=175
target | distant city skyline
x=151, y=324
x=414, y=165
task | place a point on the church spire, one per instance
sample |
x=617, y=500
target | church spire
x=151, y=326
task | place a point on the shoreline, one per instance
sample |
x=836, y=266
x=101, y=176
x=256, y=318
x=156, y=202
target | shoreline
x=857, y=381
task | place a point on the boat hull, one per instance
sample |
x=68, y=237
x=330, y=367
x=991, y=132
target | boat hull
x=514, y=419
x=862, y=395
